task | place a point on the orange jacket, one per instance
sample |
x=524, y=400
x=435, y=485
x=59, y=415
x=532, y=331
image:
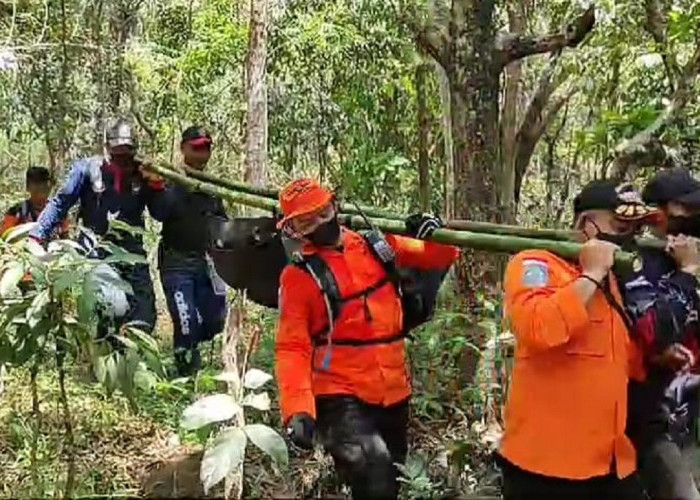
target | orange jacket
x=567, y=407
x=22, y=213
x=375, y=373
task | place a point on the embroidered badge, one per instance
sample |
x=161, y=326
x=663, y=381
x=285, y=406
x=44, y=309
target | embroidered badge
x=535, y=274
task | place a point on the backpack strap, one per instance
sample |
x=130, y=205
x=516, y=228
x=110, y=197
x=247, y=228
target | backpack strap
x=382, y=251
x=324, y=278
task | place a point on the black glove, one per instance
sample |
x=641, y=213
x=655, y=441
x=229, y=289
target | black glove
x=301, y=429
x=421, y=226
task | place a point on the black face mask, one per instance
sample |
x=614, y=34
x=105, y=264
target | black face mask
x=326, y=234
x=623, y=240
x=689, y=226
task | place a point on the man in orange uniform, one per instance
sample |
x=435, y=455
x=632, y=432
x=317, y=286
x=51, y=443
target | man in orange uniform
x=567, y=406
x=344, y=371
x=38, y=185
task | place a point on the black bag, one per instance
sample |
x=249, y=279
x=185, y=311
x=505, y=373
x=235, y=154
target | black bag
x=248, y=254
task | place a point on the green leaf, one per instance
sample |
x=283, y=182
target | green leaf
x=209, y=409
x=254, y=379
x=10, y=279
x=19, y=232
x=86, y=302
x=259, y=401
x=268, y=441
x=108, y=277
x=144, y=379
x=223, y=457
x=37, y=310
x=64, y=280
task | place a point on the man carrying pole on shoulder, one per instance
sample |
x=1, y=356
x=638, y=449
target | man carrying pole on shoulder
x=566, y=411
x=340, y=361
x=195, y=295
x=113, y=187
x=663, y=301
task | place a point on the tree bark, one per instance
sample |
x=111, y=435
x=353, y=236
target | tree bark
x=510, y=117
x=423, y=138
x=539, y=115
x=256, y=91
x=513, y=47
x=449, y=171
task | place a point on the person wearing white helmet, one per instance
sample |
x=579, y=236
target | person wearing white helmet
x=106, y=188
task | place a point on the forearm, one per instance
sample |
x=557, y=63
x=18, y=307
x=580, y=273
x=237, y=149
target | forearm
x=586, y=288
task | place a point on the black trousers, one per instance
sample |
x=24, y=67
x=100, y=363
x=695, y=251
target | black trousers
x=665, y=472
x=365, y=442
x=519, y=484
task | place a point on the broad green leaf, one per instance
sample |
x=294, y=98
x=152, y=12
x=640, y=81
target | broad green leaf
x=10, y=279
x=37, y=310
x=86, y=302
x=254, y=378
x=223, y=457
x=126, y=341
x=19, y=232
x=209, y=409
x=111, y=373
x=144, y=379
x=258, y=401
x=65, y=279
x=268, y=441
x=107, y=276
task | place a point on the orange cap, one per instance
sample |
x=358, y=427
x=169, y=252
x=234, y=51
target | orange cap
x=301, y=197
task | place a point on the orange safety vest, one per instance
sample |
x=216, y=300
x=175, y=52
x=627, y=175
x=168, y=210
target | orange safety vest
x=567, y=407
x=374, y=368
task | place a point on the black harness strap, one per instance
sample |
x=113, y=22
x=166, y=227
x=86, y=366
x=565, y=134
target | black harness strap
x=322, y=340
x=322, y=273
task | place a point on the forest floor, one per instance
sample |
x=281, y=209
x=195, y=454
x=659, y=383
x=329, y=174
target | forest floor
x=122, y=452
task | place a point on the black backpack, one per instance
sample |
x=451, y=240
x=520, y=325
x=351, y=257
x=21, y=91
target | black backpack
x=248, y=254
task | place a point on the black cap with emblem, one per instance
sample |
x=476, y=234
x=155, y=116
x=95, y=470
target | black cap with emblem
x=606, y=194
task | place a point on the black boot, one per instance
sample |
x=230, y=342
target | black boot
x=187, y=361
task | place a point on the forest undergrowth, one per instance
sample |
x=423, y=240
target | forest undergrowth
x=122, y=451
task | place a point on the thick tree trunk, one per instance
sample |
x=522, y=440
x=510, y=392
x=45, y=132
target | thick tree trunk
x=449, y=171
x=256, y=91
x=423, y=137
x=512, y=98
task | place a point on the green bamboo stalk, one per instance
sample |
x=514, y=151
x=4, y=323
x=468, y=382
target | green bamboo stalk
x=456, y=224
x=485, y=241
x=347, y=208
x=467, y=239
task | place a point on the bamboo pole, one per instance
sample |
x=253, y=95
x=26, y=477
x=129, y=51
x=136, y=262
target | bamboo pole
x=456, y=224
x=468, y=239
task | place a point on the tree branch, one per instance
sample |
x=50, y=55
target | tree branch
x=535, y=121
x=513, y=47
x=645, y=149
x=657, y=26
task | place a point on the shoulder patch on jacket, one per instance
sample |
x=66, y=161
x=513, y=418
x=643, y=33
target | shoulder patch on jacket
x=535, y=273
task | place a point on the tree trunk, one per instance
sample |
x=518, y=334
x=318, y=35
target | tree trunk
x=474, y=86
x=423, y=137
x=449, y=173
x=256, y=91
x=511, y=117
